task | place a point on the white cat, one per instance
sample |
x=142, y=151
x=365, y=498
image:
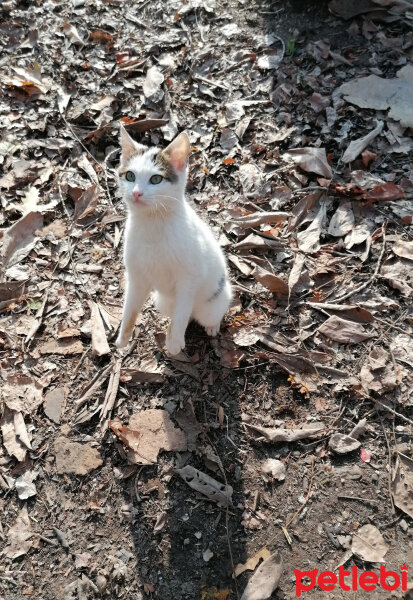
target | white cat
x=168, y=248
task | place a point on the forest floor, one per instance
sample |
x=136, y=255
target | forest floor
x=288, y=438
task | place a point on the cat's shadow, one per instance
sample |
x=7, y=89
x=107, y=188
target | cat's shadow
x=183, y=542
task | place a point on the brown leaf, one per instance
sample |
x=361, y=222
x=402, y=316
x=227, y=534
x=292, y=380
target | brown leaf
x=265, y=579
x=404, y=249
x=258, y=218
x=402, y=484
x=149, y=432
x=386, y=192
x=368, y=544
x=345, y=332
x=313, y=160
x=19, y=239
x=146, y=124
x=13, y=444
x=19, y=536
x=87, y=202
x=100, y=345
x=275, y=284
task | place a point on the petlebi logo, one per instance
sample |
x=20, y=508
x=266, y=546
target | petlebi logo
x=351, y=580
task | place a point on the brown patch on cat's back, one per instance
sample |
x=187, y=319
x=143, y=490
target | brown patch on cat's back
x=162, y=160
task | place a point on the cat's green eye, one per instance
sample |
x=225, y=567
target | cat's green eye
x=129, y=176
x=156, y=179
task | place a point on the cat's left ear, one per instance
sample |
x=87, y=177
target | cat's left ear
x=178, y=151
x=129, y=147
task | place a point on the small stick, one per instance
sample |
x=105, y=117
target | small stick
x=391, y=410
x=297, y=512
x=390, y=465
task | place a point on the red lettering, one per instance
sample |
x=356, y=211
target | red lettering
x=404, y=579
x=341, y=574
x=368, y=581
x=327, y=581
x=299, y=586
x=384, y=574
x=354, y=577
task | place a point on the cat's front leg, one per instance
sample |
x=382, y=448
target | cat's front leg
x=184, y=302
x=135, y=296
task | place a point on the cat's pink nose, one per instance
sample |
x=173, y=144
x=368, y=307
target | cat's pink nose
x=137, y=195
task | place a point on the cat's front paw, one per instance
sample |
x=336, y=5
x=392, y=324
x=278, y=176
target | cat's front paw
x=174, y=345
x=121, y=341
x=212, y=331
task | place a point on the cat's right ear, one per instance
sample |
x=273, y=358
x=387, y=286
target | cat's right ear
x=129, y=147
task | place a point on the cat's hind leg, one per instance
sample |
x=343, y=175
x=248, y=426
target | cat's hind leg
x=163, y=304
x=209, y=314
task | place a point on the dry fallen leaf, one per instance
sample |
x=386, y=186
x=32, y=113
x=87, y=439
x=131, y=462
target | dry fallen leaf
x=402, y=484
x=252, y=562
x=100, y=345
x=265, y=579
x=149, y=432
x=273, y=469
x=380, y=94
x=403, y=248
x=345, y=332
x=206, y=485
x=275, y=284
x=368, y=544
x=284, y=435
x=313, y=160
x=342, y=444
x=356, y=147
x=19, y=536
x=342, y=222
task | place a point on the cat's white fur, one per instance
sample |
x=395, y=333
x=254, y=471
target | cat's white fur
x=168, y=248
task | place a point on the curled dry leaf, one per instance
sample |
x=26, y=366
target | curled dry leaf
x=265, y=579
x=149, y=432
x=313, y=160
x=402, y=484
x=345, y=332
x=258, y=218
x=100, y=345
x=368, y=544
x=342, y=444
x=273, y=469
x=284, y=435
x=356, y=147
x=206, y=485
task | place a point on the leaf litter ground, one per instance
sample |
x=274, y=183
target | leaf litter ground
x=287, y=439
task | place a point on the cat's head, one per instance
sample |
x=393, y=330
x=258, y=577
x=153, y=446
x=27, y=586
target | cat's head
x=151, y=179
